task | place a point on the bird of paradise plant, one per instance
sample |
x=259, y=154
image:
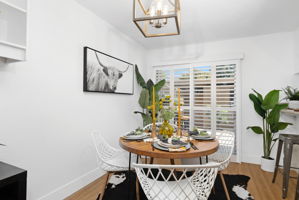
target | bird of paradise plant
x=268, y=108
x=146, y=97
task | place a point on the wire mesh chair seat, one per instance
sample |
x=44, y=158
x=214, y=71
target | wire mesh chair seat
x=176, y=182
x=112, y=159
x=225, y=150
x=223, y=155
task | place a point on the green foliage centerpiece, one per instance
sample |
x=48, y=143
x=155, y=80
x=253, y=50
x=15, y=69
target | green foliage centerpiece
x=292, y=96
x=166, y=114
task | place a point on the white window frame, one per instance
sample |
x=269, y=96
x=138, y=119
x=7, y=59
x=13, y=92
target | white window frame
x=213, y=64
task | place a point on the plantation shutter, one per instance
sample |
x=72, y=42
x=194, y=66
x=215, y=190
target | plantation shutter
x=226, y=97
x=202, y=96
x=160, y=75
x=209, y=94
x=182, y=81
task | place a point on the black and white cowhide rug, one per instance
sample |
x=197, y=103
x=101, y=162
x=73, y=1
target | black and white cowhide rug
x=118, y=188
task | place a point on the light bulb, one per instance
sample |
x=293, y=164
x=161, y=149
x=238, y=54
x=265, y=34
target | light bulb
x=159, y=5
x=165, y=10
x=152, y=11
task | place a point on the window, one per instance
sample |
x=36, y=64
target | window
x=209, y=93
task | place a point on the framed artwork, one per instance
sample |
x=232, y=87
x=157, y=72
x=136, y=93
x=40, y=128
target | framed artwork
x=107, y=74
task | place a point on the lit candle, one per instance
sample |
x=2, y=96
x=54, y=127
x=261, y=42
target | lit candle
x=159, y=5
x=179, y=112
x=152, y=11
x=154, y=114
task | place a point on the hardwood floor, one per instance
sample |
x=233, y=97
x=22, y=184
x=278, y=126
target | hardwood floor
x=260, y=184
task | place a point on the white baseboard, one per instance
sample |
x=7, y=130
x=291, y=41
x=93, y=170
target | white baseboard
x=251, y=159
x=66, y=190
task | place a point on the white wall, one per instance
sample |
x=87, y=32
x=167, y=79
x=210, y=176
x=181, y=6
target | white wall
x=268, y=64
x=45, y=117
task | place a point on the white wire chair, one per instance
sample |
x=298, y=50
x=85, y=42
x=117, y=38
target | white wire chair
x=111, y=159
x=223, y=155
x=176, y=182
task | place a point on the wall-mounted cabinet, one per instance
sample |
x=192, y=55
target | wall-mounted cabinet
x=13, y=29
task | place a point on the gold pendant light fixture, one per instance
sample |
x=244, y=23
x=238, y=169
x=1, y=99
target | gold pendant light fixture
x=155, y=18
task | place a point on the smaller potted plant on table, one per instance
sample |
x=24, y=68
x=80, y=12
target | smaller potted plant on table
x=268, y=108
x=292, y=95
x=166, y=114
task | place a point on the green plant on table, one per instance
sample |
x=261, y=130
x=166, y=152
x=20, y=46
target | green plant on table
x=146, y=97
x=291, y=93
x=166, y=114
x=268, y=108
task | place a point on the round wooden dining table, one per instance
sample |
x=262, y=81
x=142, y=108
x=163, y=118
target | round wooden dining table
x=202, y=148
x=141, y=148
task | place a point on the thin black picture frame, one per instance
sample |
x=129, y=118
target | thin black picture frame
x=85, y=88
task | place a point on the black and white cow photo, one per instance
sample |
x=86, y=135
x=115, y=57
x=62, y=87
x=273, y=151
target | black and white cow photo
x=105, y=73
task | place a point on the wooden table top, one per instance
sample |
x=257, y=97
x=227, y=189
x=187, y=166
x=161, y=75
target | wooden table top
x=145, y=148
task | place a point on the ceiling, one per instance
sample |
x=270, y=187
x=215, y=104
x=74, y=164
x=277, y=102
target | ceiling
x=206, y=20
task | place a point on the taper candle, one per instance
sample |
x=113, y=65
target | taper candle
x=179, y=112
x=154, y=113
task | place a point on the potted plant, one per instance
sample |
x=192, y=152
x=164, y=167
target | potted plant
x=292, y=95
x=268, y=108
x=146, y=97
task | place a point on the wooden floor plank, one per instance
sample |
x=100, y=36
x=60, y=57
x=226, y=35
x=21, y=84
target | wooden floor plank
x=260, y=184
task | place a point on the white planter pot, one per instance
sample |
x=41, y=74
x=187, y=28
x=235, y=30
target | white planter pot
x=294, y=105
x=268, y=165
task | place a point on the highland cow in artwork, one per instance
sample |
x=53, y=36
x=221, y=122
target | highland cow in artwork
x=104, y=73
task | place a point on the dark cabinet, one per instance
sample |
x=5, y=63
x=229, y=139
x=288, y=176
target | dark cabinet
x=13, y=182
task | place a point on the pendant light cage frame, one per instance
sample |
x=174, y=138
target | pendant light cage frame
x=142, y=22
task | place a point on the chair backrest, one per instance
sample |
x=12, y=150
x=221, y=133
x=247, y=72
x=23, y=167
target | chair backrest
x=169, y=182
x=104, y=150
x=226, y=147
x=158, y=125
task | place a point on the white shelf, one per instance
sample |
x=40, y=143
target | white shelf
x=291, y=112
x=13, y=30
x=13, y=45
x=13, y=6
x=11, y=52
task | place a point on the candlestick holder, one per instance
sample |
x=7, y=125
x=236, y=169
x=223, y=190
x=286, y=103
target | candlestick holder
x=153, y=135
x=179, y=113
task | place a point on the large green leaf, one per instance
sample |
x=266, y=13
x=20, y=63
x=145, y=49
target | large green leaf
x=256, y=129
x=279, y=126
x=260, y=97
x=271, y=99
x=274, y=115
x=144, y=99
x=139, y=78
x=159, y=85
x=149, y=84
x=257, y=105
x=147, y=119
